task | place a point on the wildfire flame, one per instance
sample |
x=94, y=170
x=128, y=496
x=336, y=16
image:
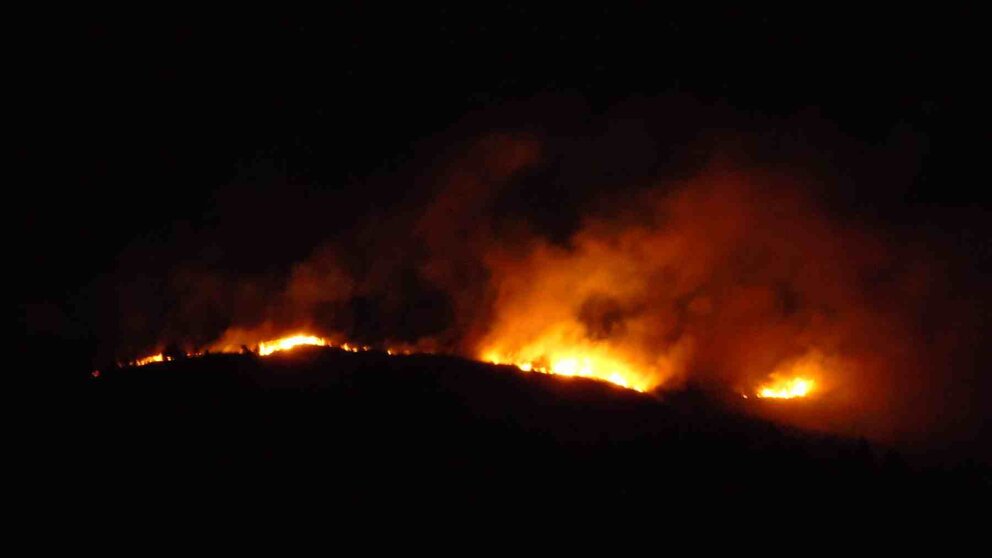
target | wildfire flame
x=796, y=378
x=149, y=359
x=596, y=362
x=268, y=347
x=597, y=365
x=786, y=388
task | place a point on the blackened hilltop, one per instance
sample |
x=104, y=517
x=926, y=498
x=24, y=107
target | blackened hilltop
x=368, y=428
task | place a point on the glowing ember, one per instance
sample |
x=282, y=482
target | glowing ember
x=786, y=388
x=285, y=343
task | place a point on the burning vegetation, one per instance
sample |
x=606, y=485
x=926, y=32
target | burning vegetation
x=262, y=348
x=286, y=343
x=733, y=278
x=786, y=388
x=585, y=364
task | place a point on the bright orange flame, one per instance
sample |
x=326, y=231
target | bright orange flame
x=795, y=378
x=589, y=362
x=149, y=359
x=285, y=343
x=786, y=388
x=266, y=348
x=582, y=359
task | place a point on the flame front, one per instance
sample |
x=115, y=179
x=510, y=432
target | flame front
x=796, y=378
x=553, y=355
x=268, y=347
x=583, y=359
x=592, y=361
x=149, y=359
x=786, y=388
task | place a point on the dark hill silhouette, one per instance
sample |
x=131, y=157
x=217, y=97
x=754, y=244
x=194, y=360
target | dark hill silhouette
x=321, y=424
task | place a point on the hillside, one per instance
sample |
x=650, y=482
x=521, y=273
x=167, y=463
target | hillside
x=369, y=429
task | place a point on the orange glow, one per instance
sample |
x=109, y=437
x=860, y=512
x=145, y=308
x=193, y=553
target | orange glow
x=794, y=379
x=592, y=361
x=786, y=388
x=149, y=359
x=559, y=354
x=285, y=343
x=558, y=316
x=236, y=344
x=588, y=360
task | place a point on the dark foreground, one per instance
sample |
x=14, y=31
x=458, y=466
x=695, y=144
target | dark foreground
x=320, y=427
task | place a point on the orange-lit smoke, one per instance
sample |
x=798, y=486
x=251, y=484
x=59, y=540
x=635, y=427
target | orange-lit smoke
x=735, y=278
x=732, y=279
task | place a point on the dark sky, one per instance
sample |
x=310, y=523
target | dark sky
x=148, y=138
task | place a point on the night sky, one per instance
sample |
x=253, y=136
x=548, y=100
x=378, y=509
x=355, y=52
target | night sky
x=162, y=146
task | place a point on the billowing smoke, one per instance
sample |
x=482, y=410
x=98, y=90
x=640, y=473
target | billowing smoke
x=718, y=272
x=727, y=279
